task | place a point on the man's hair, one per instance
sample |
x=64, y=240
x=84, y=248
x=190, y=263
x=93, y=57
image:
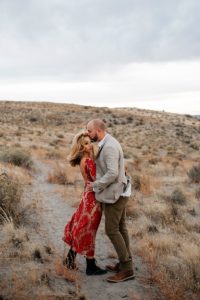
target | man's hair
x=97, y=123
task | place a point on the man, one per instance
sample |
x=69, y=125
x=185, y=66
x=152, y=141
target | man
x=109, y=189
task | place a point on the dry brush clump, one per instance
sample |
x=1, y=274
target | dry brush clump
x=136, y=182
x=13, y=183
x=197, y=193
x=177, y=197
x=63, y=174
x=18, y=174
x=194, y=174
x=54, y=154
x=10, y=200
x=16, y=156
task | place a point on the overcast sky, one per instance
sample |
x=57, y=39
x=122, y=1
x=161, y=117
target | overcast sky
x=138, y=53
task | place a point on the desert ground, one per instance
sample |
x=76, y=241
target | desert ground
x=39, y=191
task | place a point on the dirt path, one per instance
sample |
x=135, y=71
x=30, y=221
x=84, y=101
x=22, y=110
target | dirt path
x=55, y=212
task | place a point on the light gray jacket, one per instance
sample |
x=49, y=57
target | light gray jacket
x=110, y=179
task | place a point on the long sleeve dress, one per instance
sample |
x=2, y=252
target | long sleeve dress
x=80, y=231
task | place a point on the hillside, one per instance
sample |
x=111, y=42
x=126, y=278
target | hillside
x=162, y=157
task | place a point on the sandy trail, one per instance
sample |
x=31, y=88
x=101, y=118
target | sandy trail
x=55, y=211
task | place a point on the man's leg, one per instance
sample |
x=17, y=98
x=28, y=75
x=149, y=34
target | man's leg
x=113, y=215
x=124, y=231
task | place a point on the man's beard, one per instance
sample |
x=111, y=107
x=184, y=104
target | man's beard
x=95, y=138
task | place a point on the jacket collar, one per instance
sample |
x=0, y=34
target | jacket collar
x=103, y=141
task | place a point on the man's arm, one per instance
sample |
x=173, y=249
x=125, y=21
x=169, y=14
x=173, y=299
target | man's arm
x=112, y=164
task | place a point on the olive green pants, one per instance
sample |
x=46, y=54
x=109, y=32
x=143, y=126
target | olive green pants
x=115, y=227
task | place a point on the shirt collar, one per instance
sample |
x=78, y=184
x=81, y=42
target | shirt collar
x=100, y=144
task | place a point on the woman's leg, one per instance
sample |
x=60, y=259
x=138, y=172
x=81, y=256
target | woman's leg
x=70, y=259
x=92, y=268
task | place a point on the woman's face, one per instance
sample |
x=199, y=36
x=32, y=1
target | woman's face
x=87, y=145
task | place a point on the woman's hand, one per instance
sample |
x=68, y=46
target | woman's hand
x=89, y=187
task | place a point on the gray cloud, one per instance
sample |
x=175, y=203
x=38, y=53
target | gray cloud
x=72, y=39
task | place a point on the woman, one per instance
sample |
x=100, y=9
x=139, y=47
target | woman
x=80, y=231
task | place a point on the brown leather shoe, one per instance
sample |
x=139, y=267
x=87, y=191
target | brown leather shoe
x=113, y=268
x=121, y=276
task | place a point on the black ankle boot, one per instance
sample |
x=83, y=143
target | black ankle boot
x=69, y=261
x=92, y=268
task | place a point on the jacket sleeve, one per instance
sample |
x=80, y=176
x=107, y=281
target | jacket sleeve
x=111, y=157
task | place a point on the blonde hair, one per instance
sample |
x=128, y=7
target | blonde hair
x=77, y=148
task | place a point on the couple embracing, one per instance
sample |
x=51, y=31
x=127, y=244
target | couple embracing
x=106, y=189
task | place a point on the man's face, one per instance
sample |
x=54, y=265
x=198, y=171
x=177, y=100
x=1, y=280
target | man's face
x=92, y=132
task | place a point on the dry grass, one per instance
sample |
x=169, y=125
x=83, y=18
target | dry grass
x=167, y=242
x=16, y=173
x=160, y=148
x=63, y=174
x=17, y=244
x=17, y=157
x=69, y=275
x=29, y=268
x=179, y=265
x=17, y=257
x=10, y=199
x=164, y=218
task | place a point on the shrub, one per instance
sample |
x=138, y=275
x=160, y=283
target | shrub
x=194, y=146
x=61, y=175
x=33, y=119
x=10, y=196
x=174, y=165
x=60, y=136
x=189, y=116
x=136, y=182
x=129, y=119
x=53, y=154
x=17, y=157
x=174, y=213
x=197, y=193
x=153, y=160
x=177, y=197
x=152, y=229
x=194, y=174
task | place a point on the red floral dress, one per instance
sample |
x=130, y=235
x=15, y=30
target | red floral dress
x=80, y=231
